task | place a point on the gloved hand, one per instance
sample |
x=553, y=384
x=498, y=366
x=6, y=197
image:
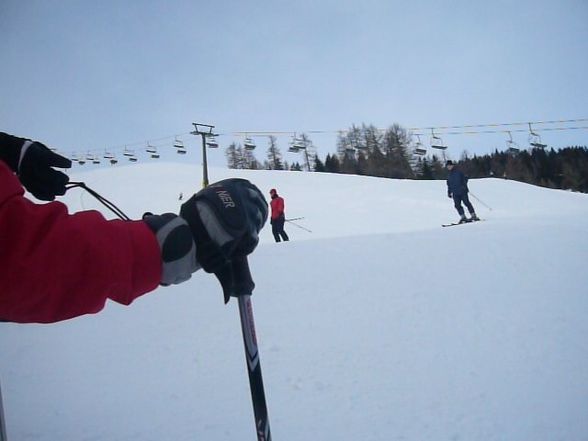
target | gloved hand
x=449, y=195
x=33, y=162
x=178, y=252
x=225, y=219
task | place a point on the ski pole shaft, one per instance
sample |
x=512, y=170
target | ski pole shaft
x=299, y=226
x=2, y=423
x=476, y=198
x=243, y=288
x=294, y=218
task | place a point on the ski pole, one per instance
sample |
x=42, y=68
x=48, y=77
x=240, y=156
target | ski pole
x=294, y=218
x=237, y=282
x=476, y=198
x=299, y=226
x=2, y=423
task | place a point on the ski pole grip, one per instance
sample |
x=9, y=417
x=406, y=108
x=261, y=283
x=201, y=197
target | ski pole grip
x=235, y=278
x=242, y=280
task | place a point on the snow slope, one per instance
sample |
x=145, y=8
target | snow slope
x=378, y=325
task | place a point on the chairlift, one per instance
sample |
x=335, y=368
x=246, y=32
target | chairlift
x=535, y=139
x=437, y=142
x=108, y=155
x=79, y=159
x=419, y=149
x=179, y=145
x=349, y=148
x=511, y=146
x=96, y=159
x=296, y=144
x=249, y=144
x=130, y=154
x=152, y=151
x=211, y=142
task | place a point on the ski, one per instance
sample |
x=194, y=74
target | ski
x=453, y=224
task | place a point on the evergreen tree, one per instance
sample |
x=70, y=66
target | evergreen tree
x=426, y=170
x=332, y=164
x=319, y=166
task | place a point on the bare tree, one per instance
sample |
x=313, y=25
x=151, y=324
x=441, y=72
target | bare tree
x=274, y=156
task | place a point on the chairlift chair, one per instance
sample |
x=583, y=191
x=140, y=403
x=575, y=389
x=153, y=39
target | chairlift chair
x=349, y=148
x=419, y=149
x=211, y=142
x=535, y=139
x=511, y=146
x=79, y=159
x=437, y=142
x=152, y=151
x=96, y=159
x=179, y=145
x=130, y=154
x=249, y=144
x=296, y=144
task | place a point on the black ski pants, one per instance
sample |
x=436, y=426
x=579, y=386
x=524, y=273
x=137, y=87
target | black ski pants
x=278, y=229
x=458, y=199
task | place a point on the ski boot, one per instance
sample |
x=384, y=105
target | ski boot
x=463, y=219
x=473, y=217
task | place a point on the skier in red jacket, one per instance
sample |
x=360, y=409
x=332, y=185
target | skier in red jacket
x=55, y=265
x=278, y=216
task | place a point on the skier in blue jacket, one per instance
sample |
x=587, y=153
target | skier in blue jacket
x=457, y=189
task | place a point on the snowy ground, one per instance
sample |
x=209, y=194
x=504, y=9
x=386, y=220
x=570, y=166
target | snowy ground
x=378, y=325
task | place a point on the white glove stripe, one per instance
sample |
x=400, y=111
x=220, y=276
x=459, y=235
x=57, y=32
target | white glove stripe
x=23, y=152
x=213, y=227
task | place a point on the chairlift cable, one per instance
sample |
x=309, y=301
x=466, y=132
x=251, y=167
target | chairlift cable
x=454, y=130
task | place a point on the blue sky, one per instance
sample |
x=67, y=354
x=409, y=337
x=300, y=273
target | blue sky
x=86, y=75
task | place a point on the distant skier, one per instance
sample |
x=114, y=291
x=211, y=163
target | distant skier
x=278, y=217
x=457, y=189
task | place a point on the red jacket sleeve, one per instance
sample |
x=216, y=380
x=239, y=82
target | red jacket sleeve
x=55, y=265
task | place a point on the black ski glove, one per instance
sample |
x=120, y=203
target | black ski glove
x=178, y=253
x=33, y=162
x=225, y=219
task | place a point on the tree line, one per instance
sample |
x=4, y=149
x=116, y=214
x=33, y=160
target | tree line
x=366, y=150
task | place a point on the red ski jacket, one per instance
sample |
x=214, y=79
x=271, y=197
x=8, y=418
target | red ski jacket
x=55, y=265
x=277, y=205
